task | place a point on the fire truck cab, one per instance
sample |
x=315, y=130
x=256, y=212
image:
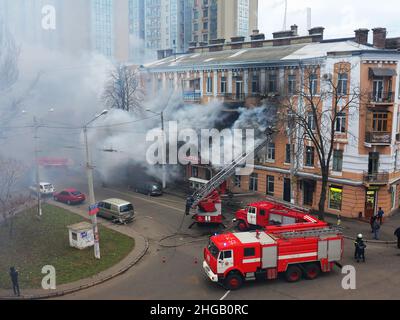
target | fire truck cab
x=265, y=213
x=232, y=258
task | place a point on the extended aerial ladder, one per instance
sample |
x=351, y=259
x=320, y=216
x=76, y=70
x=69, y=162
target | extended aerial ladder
x=205, y=192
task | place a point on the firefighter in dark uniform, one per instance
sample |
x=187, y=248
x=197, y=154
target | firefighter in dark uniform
x=360, y=246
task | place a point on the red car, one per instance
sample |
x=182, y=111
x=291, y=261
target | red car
x=70, y=196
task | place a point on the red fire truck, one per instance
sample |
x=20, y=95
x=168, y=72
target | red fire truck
x=265, y=213
x=295, y=251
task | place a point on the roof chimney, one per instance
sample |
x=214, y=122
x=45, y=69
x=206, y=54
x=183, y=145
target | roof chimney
x=317, y=32
x=257, y=35
x=379, y=38
x=295, y=30
x=362, y=36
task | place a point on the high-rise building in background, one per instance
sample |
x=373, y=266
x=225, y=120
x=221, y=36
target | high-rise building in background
x=159, y=25
x=223, y=19
x=81, y=25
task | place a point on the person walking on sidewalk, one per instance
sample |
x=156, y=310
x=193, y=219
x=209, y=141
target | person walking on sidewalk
x=14, y=280
x=359, y=248
x=375, y=228
x=380, y=215
x=397, y=234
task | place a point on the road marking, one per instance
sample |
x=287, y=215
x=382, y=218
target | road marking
x=225, y=295
x=147, y=200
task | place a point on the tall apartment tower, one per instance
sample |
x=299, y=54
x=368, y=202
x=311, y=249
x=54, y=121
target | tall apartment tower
x=159, y=25
x=223, y=19
x=80, y=25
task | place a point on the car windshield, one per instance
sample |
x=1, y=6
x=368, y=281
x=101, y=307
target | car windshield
x=213, y=249
x=156, y=187
x=126, y=208
x=76, y=193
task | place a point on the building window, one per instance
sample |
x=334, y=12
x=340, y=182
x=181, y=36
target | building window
x=292, y=84
x=254, y=84
x=310, y=156
x=272, y=87
x=380, y=122
x=223, y=85
x=337, y=161
x=195, y=172
x=342, y=84
x=271, y=152
x=288, y=158
x=253, y=182
x=311, y=121
x=313, y=84
x=341, y=123
x=335, y=197
x=270, y=185
x=238, y=181
x=209, y=84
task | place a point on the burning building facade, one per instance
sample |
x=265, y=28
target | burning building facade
x=365, y=168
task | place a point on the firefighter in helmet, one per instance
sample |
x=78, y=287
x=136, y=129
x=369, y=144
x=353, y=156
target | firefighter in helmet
x=360, y=246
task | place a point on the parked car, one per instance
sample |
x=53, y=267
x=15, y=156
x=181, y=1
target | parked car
x=149, y=188
x=70, y=196
x=116, y=210
x=46, y=189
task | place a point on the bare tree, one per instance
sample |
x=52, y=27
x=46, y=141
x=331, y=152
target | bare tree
x=123, y=90
x=11, y=172
x=316, y=114
x=11, y=99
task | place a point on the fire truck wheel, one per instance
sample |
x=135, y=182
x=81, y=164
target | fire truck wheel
x=233, y=281
x=293, y=274
x=242, y=226
x=311, y=271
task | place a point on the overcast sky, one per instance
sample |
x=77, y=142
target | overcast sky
x=339, y=17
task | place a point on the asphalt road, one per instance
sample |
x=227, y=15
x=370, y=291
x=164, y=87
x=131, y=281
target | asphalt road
x=176, y=273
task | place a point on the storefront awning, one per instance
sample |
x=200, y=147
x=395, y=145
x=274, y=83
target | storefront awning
x=382, y=72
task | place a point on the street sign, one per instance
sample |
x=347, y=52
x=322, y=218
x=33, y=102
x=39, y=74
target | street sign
x=93, y=209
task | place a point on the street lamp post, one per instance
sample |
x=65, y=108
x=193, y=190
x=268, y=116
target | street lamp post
x=89, y=173
x=163, y=149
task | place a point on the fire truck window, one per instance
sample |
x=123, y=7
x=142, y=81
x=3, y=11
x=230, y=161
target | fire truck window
x=262, y=212
x=227, y=254
x=249, y=252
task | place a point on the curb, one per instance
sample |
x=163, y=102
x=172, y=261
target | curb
x=374, y=241
x=86, y=286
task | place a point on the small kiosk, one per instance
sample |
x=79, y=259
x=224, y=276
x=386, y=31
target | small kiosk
x=81, y=235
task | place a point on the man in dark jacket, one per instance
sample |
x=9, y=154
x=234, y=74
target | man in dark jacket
x=359, y=248
x=14, y=280
x=375, y=229
x=397, y=234
x=371, y=222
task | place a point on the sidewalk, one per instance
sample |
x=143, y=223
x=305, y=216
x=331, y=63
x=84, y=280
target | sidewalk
x=352, y=227
x=141, y=247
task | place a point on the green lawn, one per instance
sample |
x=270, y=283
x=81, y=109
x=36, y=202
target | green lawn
x=39, y=242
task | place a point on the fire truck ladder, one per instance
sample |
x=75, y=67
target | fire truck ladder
x=219, y=178
x=310, y=233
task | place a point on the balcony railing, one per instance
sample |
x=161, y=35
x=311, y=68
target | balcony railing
x=191, y=96
x=234, y=96
x=382, y=97
x=378, y=137
x=376, y=178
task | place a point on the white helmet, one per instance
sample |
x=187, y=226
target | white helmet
x=360, y=236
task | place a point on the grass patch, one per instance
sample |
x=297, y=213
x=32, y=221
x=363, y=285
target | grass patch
x=38, y=242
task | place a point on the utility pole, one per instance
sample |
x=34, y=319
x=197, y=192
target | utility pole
x=39, y=196
x=92, y=199
x=164, y=151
